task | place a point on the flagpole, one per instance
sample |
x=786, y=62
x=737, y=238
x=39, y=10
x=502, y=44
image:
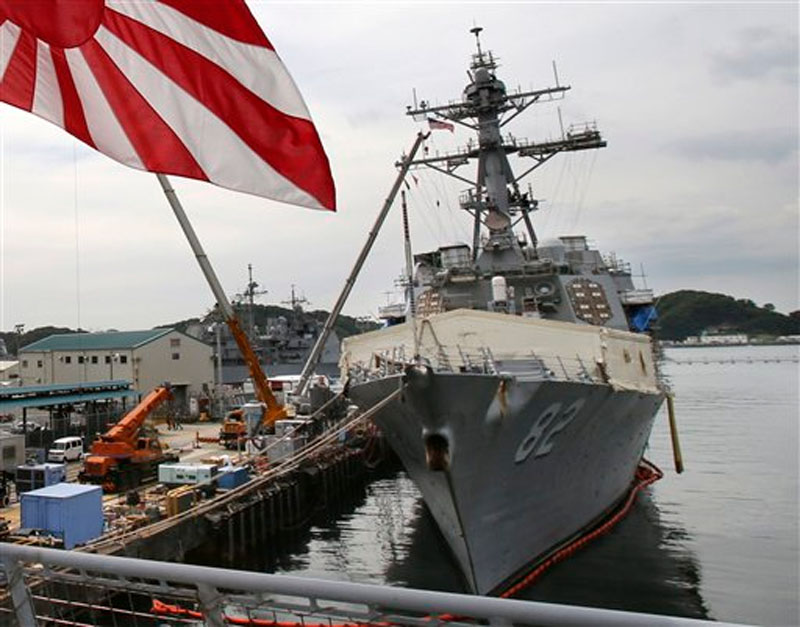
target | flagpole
x=313, y=358
x=274, y=411
x=197, y=248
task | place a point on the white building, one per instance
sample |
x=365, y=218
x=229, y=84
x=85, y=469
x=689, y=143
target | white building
x=723, y=339
x=716, y=339
x=9, y=372
x=146, y=358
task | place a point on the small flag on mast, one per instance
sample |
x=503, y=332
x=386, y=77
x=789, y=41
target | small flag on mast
x=186, y=87
x=438, y=125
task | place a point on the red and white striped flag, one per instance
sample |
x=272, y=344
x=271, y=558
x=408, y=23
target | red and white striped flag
x=186, y=87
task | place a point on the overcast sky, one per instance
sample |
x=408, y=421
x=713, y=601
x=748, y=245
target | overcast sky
x=699, y=182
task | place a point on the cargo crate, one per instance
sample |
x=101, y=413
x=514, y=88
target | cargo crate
x=33, y=477
x=185, y=474
x=70, y=511
x=232, y=477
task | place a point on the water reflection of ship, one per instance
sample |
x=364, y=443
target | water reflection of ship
x=645, y=564
x=322, y=546
x=384, y=532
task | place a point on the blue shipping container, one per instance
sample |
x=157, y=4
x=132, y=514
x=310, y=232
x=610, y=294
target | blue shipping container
x=232, y=478
x=71, y=511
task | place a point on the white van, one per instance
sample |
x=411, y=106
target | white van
x=66, y=449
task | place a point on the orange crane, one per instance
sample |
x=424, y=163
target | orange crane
x=124, y=457
x=234, y=427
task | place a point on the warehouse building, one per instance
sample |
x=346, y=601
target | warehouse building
x=146, y=358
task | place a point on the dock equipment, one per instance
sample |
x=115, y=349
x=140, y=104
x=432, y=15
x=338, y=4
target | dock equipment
x=124, y=456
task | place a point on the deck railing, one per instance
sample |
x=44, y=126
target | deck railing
x=482, y=361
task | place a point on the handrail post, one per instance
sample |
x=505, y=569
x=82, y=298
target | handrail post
x=23, y=603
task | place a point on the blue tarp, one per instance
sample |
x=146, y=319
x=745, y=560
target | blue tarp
x=643, y=317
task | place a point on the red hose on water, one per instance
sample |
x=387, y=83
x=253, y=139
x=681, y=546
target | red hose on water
x=646, y=473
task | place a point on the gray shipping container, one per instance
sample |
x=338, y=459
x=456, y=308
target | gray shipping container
x=12, y=452
x=280, y=447
x=70, y=511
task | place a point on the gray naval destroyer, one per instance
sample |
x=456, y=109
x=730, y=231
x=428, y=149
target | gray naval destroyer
x=529, y=384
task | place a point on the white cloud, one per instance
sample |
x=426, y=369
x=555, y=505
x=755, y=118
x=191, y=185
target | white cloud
x=85, y=240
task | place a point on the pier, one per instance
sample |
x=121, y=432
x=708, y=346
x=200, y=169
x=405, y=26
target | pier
x=706, y=361
x=281, y=496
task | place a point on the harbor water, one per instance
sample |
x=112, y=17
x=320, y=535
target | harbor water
x=718, y=542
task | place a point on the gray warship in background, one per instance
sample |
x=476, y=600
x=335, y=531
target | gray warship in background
x=529, y=385
x=282, y=342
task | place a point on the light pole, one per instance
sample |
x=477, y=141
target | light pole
x=217, y=334
x=111, y=359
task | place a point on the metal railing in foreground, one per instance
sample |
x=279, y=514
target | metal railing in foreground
x=54, y=587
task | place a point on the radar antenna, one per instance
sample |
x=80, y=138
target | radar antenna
x=248, y=297
x=476, y=30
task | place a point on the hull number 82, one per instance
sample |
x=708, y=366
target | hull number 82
x=543, y=432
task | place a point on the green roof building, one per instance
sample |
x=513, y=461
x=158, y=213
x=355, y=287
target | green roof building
x=146, y=358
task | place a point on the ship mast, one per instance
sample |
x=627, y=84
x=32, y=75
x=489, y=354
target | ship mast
x=495, y=200
x=251, y=291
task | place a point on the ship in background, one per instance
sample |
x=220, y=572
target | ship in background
x=281, y=338
x=528, y=380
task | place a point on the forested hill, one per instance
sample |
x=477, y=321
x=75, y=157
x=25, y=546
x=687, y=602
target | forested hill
x=345, y=326
x=689, y=312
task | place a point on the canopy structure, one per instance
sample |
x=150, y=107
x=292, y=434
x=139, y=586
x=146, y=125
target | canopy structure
x=63, y=394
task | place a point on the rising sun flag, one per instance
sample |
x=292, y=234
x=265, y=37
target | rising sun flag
x=186, y=87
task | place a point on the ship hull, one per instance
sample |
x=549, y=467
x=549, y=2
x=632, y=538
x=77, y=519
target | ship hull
x=512, y=468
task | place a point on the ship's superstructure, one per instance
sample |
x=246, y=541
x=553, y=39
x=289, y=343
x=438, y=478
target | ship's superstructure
x=529, y=384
